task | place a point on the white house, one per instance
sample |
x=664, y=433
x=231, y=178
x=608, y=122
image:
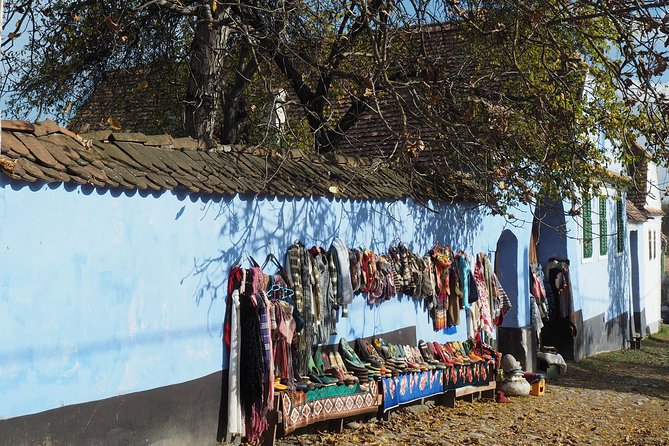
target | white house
x=644, y=213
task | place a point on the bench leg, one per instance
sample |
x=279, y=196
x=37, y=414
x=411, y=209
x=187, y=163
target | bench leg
x=336, y=426
x=449, y=399
x=386, y=415
x=488, y=393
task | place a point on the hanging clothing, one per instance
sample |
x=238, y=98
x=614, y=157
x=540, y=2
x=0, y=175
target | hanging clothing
x=295, y=258
x=235, y=420
x=483, y=303
x=355, y=266
x=455, y=297
x=342, y=284
x=473, y=289
x=309, y=332
x=429, y=289
x=266, y=330
x=388, y=275
x=535, y=316
x=251, y=358
x=560, y=285
x=327, y=300
x=440, y=316
x=464, y=270
x=538, y=290
x=293, y=271
x=234, y=279
x=442, y=257
x=472, y=326
x=283, y=340
x=503, y=304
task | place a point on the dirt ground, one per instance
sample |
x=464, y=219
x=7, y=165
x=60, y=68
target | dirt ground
x=616, y=398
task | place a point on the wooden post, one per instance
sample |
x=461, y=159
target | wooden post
x=336, y=425
x=450, y=399
x=273, y=420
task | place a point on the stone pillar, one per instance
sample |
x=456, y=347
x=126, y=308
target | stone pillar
x=519, y=342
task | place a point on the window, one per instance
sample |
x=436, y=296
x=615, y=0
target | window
x=620, y=229
x=651, y=243
x=587, y=228
x=603, y=228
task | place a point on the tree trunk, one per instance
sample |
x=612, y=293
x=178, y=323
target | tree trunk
x=206, y=83
x=234, y=107
x=326, y=138
x=323, y=140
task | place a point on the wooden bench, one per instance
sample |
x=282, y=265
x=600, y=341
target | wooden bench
x=469, y=393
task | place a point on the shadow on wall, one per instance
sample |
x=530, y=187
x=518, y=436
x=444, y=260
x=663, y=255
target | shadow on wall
x=257, y=227
x=619, y=299
x=550, y=231
x=506, y=266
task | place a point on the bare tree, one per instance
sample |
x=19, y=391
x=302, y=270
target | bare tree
x=505, y=97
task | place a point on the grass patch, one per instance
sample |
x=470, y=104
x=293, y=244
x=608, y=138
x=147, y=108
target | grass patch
x=654, y=351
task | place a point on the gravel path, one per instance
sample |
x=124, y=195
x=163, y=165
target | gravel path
x=618, y=398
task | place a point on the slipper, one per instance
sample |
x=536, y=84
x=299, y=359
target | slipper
x=502, y=398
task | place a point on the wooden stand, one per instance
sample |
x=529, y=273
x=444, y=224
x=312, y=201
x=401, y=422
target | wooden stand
x=635, y=343
x=469, y=393
x=274, y=420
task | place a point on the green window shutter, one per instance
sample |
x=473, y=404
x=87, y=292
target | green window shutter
x=587, y=228
x=603, y=227
x=620, y=228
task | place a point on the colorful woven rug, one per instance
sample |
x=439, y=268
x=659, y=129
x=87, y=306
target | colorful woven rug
x=299, y=411
x=476, y=374
x=410, y=387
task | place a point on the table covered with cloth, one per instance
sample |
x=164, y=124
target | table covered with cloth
x=302, y=409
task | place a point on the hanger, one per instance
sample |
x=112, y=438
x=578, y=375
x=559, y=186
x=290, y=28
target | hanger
x=288, y=293
x=238, y=262
x=271, y=257
x=253, y=262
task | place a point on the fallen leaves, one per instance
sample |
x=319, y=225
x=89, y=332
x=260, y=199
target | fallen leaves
x=594, y=404
x=113, y=123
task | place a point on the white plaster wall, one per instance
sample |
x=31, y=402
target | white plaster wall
x=601, y=284
x=655, y=191
x=650, y=275
x=663, y=183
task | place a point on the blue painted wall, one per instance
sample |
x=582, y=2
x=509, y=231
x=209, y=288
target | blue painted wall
x=601, y=284
x=509, y=259
x=105, y=293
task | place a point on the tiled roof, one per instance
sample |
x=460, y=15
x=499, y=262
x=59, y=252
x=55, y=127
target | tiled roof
x=633, y=212
x=45, y=152
x=452, y=67
x=638, y=192
x=147, y=99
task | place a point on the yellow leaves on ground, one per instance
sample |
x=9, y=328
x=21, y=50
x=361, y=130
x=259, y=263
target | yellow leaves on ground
x=113, y=123
x=617, y=398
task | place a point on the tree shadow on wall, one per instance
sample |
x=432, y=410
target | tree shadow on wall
x=456, y=225
x=619, y=299
x=251, y=226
